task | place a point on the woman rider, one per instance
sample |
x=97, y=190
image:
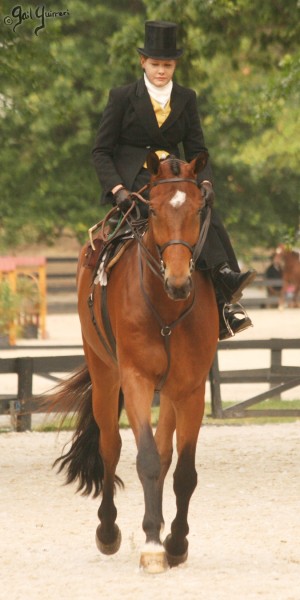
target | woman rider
x=156, y=113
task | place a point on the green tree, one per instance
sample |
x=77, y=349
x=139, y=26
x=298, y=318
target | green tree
x=241, y=56
x=54, y=87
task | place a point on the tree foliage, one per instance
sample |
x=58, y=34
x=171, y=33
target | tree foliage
x=241, y=56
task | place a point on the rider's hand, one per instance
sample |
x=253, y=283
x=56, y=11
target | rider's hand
x=207, y=192
x=122, y=199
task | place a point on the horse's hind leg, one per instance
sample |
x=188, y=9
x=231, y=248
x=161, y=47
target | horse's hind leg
x=105, y=397
x=108, y=535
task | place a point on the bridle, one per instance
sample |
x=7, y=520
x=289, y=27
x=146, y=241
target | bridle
x=158, y=267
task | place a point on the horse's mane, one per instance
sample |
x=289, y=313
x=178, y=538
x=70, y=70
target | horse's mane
x=175, y=163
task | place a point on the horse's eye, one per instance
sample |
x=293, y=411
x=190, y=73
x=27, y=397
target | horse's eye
x=152, y=211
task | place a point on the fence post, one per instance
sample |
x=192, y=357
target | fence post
x=215, y=389
x=276, y=361
x=21, y=417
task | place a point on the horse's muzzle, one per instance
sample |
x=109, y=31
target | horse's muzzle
x=178, y=290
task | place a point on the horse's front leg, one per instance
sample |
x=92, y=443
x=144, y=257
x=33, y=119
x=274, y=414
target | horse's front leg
x=138, y=400
x=164, y=442
x=189, y=414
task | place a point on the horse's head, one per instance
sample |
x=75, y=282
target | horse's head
x=174, y=219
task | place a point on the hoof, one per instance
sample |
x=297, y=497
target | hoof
x=153, y=559
x=175, y=559
x=114, y=546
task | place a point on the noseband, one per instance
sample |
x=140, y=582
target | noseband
x=161, y=250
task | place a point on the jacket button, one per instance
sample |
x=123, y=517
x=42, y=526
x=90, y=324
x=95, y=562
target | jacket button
x=148, y=147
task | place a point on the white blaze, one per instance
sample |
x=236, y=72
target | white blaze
x=178, y=199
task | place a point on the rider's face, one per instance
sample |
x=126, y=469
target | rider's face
x=159, y=72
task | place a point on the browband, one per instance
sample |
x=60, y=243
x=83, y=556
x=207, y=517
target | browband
x=173, y=180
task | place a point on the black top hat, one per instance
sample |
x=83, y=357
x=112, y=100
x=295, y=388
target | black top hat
x=160, y=40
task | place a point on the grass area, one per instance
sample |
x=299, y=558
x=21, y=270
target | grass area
x=69, y=424
x=274, y=404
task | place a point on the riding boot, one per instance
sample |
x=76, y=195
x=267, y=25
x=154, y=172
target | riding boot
x=230, y=283
x=229, y=322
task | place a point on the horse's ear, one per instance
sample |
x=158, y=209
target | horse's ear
x=199, y=162
x=153, y=163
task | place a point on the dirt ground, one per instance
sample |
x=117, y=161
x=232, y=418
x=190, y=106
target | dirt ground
x=244, y=516
x=244, y=522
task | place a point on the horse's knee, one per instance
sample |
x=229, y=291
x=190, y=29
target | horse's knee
x=185, y=474
x=148, y=460
x=148, y=468
x=110, y=445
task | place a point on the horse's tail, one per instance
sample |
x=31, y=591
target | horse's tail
x=82, y=462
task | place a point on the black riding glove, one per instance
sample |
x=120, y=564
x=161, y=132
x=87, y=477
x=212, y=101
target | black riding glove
x=122, y=199
x=207, y=193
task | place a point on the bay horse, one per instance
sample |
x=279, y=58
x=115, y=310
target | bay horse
x=164, y=323
x=290, y=264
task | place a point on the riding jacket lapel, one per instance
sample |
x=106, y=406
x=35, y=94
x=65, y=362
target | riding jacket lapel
x=178, y=102
x=144, y=110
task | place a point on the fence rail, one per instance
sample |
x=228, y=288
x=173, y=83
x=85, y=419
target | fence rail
x=61, y=281
x=24, y=404
x=279, y=377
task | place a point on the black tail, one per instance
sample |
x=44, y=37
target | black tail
x=83, y=462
